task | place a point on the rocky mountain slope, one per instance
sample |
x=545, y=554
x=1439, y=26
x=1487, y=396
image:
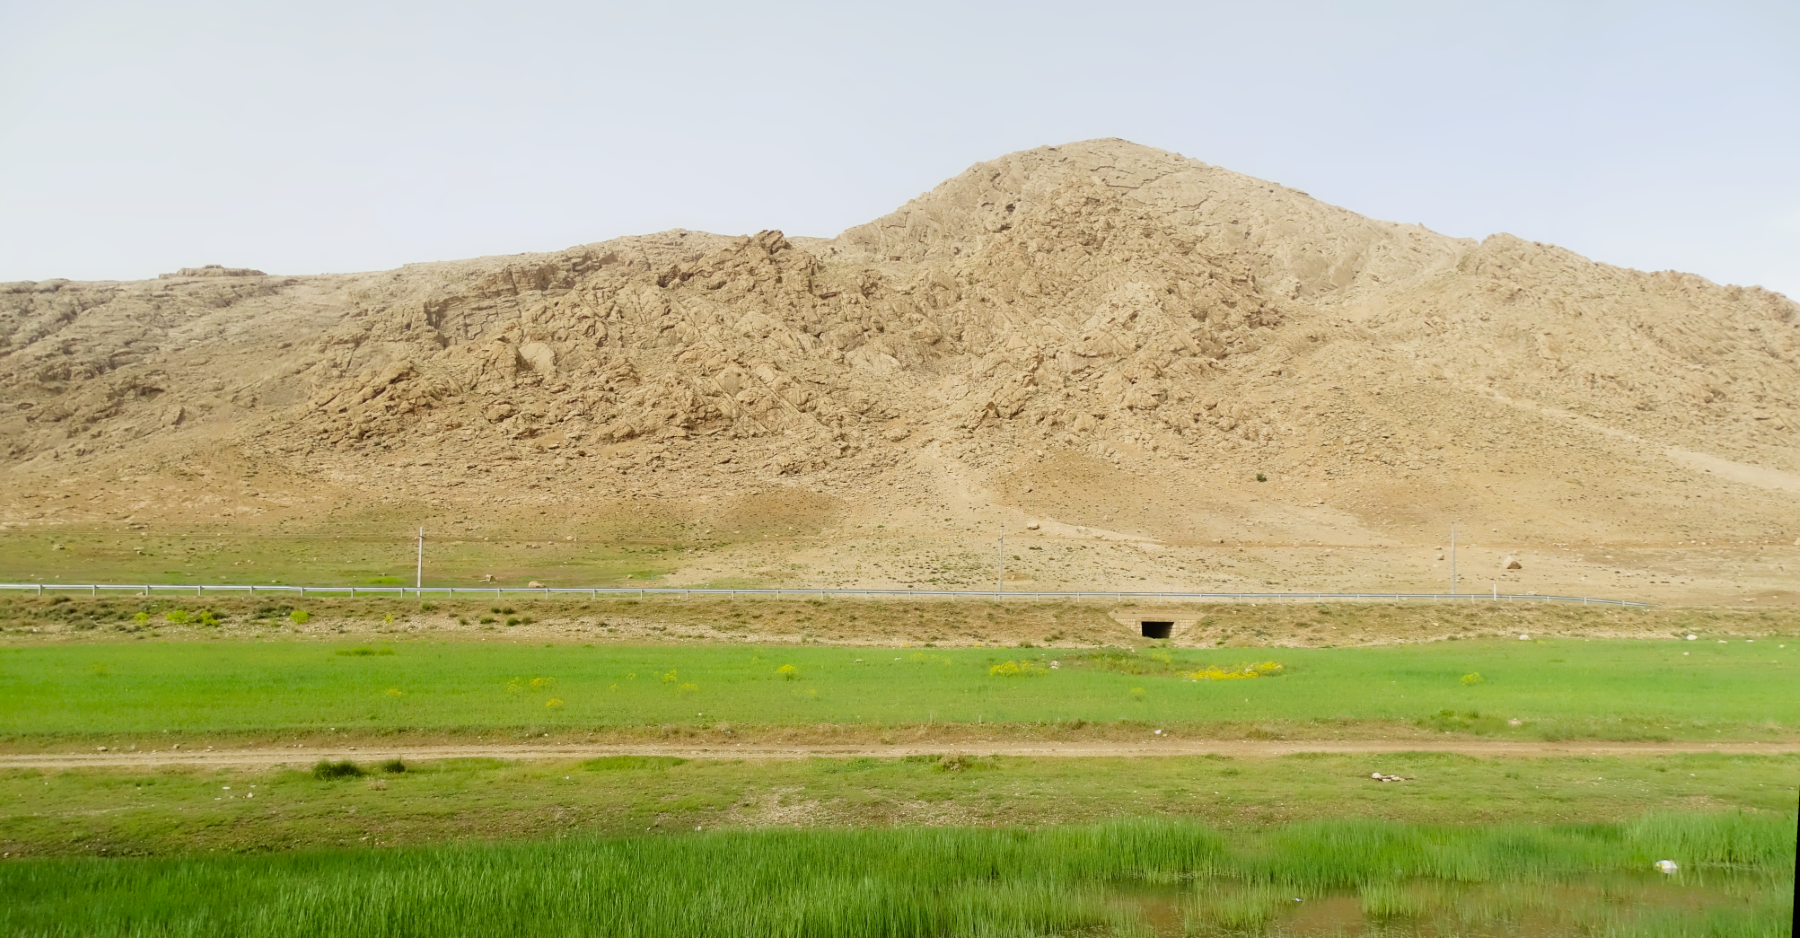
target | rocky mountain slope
x=1106, y=341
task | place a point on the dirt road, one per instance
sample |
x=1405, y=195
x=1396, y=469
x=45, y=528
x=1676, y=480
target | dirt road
x=1235, y=748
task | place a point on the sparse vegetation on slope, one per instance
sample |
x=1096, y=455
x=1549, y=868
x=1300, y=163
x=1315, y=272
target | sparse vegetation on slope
x=1119, y=345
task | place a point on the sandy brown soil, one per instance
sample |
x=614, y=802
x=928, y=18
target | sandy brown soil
x=28, y=620
x=1145, y=371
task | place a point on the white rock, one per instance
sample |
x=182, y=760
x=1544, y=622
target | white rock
x=1667, y=867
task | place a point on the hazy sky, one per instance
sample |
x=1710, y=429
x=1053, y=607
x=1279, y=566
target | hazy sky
x=138, y=137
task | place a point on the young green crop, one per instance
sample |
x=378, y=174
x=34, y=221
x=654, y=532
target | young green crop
x=1617, y=689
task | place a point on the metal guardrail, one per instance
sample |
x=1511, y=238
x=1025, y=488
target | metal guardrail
x=148, y=589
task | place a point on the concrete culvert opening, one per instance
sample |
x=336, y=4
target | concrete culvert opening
x=1156, y=629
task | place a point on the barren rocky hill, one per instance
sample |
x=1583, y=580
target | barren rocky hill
x=1101, y=344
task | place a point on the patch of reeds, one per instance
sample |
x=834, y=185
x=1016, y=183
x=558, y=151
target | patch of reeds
x=326, y=770
x=898, y=882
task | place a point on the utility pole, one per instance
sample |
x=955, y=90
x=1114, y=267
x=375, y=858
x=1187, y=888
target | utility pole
x=1000, y=575
x=419, y=577
x=1453, y=558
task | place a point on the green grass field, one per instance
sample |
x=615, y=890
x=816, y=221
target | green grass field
x=1342, y=877
x=938, y=844
x=133, y=693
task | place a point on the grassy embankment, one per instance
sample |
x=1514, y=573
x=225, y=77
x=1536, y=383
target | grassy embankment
x=178, y=810
x=1127, y=879
x=150, y=695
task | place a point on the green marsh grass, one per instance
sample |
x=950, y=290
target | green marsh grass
x=1556, y=689
x=908, y=882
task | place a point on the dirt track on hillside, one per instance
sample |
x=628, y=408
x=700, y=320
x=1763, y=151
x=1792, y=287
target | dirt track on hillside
x=1233, y=748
